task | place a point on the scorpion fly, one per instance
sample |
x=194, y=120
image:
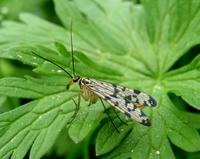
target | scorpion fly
x=125, y=100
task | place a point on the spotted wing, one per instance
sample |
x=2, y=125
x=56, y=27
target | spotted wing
x=134, y=95
x=123, y=105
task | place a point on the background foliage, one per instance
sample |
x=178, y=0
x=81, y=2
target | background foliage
x=147, y=45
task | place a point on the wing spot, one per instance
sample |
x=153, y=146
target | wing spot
x=123, y=88
x=146, y=122
x=128, y=98
x=136, y=91
x=114, y=85
x=107, y=98
x=116, y=103
x=114, y=95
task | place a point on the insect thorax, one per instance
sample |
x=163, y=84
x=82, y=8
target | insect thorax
x=86, y=93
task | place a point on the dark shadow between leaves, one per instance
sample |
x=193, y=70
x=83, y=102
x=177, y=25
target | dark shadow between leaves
x=187, y=57
x=181, y=104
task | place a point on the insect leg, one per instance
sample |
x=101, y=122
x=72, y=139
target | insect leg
x=120, y=118
x=109, y=116
x=76, y=110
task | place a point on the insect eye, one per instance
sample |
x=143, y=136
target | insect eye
x=76, y=78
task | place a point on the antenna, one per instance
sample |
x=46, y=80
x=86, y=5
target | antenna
x=73, y=68
x=53, y=63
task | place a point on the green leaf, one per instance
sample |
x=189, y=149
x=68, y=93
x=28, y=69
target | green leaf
x=61, y=49
x=98, y=68
x=32, y=123
x=185, y=82
x=2, y=100
x=172, y=29
x=85, y=122
x=193, y=119
x=11, y=9
x=118, y=41
x=109, y=138
x=26, y=88
x=137, y=145
x=188, y=139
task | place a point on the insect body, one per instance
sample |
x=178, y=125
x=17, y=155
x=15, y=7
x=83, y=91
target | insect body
x=123, y=99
